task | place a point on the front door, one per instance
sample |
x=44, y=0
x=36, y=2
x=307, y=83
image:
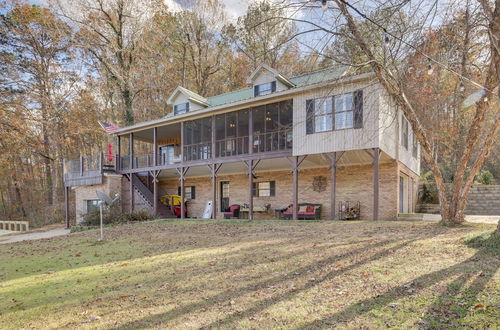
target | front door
x=403, y=193
x=167, y=154
x=224, y=195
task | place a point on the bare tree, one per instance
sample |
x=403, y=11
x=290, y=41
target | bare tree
x=386, y=48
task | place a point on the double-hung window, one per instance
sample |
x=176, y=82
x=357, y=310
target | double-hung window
x=344, y=111
x=264, y=189
x=404, y=132
x=189, y=192
x=181, y=108
x=91, y=205
x=414, y=146
x=264, y=89
x=335, y=112
x=323, y=114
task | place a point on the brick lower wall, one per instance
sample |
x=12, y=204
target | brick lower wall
x=111, y=185
x=354, y=183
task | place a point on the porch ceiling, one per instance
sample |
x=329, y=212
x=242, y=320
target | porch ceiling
x=164, y=132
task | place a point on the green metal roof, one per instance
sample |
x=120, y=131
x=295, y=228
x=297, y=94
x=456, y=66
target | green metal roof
x=314, y=77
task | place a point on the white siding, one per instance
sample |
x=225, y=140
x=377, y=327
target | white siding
x=181, y=98
x=264, y=76
x=347, y=139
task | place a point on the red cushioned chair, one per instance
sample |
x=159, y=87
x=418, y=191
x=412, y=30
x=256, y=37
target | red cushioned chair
x=234, y=212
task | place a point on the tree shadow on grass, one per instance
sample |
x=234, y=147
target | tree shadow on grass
x=484, y=257
x=460, y=297
x=224, y=297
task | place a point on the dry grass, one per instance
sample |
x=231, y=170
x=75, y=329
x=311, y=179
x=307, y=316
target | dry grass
x=276, y=274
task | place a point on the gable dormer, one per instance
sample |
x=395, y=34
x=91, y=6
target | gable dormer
x=265, y=80
x=183, y=100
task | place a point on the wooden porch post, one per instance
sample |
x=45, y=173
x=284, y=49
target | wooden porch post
x=182, y=176
x=66, y=206
x=214, y=169
x=131, y=150
x=250, y=131
x=333, y=183
x=212, y=140
x=182, y=142
x=376, y=153
x=155, y=146
x=295, y=187
x=119, y=154
x=250, y=189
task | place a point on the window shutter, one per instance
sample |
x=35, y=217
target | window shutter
x=175, y=109
x=358, y=109
x=254, y=189
x=179, y=191
x=256, y=90
x=309, y=116
x=187, y=107
x=273, y=86
x=273, y=188
x=193, y=192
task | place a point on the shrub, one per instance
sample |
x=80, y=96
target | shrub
x=113, y=214
x=484, y=177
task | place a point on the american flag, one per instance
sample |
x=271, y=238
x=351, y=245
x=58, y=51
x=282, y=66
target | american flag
x=109, y=127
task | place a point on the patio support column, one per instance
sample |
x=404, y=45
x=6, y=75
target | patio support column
x=118, y=153
x=251, y=165
x=131, y=150
x=182, y=142
x=212, y=141
x=66, y=206
x=376, y=152
x=154, y=175
x=155, y=146
x=295, y=188
x=214, y=169
x=295, y=162
x=250, y=190
x=333, y=183
x=250, y=131
x=182, y=176
x=333, y=158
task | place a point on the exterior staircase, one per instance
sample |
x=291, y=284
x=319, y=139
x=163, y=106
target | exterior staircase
x=147, y=194
x=483, y=200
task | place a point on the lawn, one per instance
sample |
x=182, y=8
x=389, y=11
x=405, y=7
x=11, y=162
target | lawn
x=262, y=274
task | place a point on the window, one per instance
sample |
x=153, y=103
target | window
x=414, y=146
x=323, y=114
x=264, y=189
x=181, y=108
x=189, y=192
x=334, y=113
x=91, y=205
x=404, y=132
x=264, y=89
x=343, y=111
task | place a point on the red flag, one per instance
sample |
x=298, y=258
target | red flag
x=110, y=152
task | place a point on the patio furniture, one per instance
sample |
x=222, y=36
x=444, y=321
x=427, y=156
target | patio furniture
x=349, y=210
x=304, y=211
x=233, y=213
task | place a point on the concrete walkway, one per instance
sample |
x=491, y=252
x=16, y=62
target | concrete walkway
x=34, y=236
x=491, y=219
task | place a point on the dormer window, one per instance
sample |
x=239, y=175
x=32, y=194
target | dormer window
x=181, y=108
x=264, y=89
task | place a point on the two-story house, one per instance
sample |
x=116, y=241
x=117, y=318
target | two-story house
x=325, y=137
